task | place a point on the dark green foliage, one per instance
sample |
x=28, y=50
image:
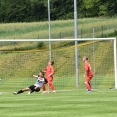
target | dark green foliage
x=62, y=9
x=37, y=10
x=22, y=11
x=40, y=44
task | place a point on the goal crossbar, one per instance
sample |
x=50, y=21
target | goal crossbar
x=51, y=40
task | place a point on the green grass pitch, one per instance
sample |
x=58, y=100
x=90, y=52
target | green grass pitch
x=76, y=103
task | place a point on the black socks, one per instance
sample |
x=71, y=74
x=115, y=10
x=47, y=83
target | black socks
x=20, y=91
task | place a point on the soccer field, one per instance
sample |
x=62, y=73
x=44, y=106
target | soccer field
x=76, y=103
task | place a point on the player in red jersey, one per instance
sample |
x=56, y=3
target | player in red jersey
x=88, y=73
x=49, y=76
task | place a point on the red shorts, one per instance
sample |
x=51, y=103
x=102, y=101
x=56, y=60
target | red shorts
x=50, y=79
x=88, y=78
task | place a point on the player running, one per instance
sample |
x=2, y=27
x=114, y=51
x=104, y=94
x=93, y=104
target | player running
x=37, y=86
x=49, y=76
x=88, y=73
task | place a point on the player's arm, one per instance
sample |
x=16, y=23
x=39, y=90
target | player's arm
x=35, y=76
x=45, y=70
x=85, y=74
x=52, y=72
x=86, y=70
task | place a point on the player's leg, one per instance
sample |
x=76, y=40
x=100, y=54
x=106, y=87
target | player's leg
x=51, y=85
x=37, y=89
x=22, y=90
x=87, y=83
x=44, y=88
x=90, y=77
x=32, y=89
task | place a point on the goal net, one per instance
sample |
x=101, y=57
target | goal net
x=20, y=59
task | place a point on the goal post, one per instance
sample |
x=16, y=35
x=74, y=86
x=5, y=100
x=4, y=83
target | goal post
x=20, y=53
x=115, y=62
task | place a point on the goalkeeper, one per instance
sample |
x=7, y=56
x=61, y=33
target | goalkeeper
x=37, y=86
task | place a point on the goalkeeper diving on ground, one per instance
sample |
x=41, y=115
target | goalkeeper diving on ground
x=41, y=80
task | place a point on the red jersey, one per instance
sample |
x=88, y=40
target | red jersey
x=88, y=68
x=49, y=70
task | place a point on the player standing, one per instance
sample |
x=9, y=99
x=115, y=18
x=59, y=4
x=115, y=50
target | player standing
x=49, y=76
x=37, y=86
x=88, y=73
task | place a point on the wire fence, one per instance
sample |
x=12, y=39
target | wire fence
x=97, y=32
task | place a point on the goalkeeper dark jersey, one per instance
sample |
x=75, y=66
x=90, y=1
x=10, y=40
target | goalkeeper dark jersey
x=40, y=81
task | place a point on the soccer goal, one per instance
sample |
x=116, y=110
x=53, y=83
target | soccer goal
x=21, y=58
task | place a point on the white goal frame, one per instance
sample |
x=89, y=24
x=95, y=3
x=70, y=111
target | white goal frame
x=78, y=39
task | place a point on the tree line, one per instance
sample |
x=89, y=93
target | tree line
x=37, y=10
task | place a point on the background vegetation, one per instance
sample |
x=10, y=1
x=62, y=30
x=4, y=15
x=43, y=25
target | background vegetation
x=37, y=10
x=103, y=27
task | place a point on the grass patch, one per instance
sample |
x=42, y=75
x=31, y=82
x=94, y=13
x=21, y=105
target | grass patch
x=76, y=103
x=59, y=29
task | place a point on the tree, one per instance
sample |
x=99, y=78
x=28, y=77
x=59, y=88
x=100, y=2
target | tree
x=23, y=11
x=16, y=11
x=62, y=9
x=90, y=8
x=37, y=10
x=112, y=7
